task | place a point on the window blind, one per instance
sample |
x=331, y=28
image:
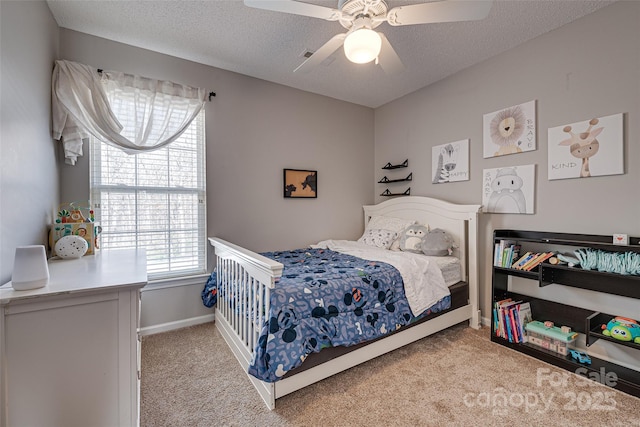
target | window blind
x=155, y=200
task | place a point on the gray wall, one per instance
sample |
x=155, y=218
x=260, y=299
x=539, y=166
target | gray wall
x=28, y=167
x=254, y=129
x=588, y=68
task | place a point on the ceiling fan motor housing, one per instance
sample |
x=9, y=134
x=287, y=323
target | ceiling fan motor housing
x=353, y=10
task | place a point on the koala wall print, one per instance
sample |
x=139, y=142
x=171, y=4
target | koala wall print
x=511, y=130
x=508, y=189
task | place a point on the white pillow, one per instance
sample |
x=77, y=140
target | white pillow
x=390, y=223
x=378, y=237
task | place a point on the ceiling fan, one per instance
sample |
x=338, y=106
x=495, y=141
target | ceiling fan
x=363, y=45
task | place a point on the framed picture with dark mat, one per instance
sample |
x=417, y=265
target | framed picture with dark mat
x=300, y=183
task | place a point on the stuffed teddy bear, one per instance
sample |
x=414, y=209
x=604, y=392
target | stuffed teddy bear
x=437, y=243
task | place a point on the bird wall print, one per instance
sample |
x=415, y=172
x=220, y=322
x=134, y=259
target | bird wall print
x=585, y=149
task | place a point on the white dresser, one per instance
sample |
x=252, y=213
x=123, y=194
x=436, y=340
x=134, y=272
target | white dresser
x=70, y=352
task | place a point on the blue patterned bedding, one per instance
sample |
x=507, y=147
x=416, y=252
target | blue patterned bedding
x=324, y=299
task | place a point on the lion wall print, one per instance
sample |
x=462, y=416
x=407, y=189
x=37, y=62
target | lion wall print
x=589, y=148
x=511, y=130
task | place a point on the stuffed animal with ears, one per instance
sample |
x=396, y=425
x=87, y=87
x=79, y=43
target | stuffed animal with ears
x=411, y=238
x=437, y=243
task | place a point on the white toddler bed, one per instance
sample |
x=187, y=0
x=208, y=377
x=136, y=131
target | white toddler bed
x=244, y=280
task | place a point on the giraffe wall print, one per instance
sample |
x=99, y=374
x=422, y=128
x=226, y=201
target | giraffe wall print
x=583, y=145
x=450, y=162
x=585, y=149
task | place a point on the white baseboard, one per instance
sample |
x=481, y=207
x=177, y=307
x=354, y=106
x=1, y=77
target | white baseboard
x=170, y=326
x=486, y=321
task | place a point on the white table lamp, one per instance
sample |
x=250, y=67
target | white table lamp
x=30, y=269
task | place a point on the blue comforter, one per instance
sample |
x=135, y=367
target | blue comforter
x=324, y=299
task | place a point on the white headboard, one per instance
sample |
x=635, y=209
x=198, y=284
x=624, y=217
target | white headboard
x=459, y=221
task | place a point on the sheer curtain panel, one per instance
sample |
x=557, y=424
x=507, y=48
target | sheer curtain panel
x=86, y=102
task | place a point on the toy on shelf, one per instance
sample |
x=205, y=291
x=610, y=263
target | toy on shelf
x=76, y=219
x=550, y=337
x=623, y=329
x=567, y=259
x=75, y=212
x=580, y=356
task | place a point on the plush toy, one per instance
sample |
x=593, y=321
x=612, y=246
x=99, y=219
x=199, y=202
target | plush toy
x=623, y=329
x=411, y=238
x=437, y=243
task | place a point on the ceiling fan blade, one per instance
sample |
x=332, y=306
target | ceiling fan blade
x=439, y=11
x=388, y=58
x=321, y=54
x=296, y=8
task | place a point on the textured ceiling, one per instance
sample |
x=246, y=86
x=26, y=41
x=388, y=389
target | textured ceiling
x=269, y=45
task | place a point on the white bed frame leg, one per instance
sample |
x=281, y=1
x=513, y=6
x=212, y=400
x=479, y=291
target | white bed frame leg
x=475, y=321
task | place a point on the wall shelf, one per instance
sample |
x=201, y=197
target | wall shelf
x=389, y=193
x=386, y=180
x=398, y=166
x=610, y=283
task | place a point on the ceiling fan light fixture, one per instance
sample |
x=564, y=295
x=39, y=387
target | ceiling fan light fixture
x=362, y=46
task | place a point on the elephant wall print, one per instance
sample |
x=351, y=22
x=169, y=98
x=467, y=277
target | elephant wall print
x=508, y=189
x=511, y=130
x=589, y=148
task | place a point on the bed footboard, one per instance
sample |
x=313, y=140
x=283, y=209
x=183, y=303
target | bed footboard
x=244, y=281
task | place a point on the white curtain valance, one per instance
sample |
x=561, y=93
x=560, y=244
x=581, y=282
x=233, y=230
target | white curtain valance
x=151, y=113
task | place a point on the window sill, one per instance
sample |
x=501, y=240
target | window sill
x=174, y=282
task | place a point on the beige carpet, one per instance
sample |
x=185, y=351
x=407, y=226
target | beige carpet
x=457, y=377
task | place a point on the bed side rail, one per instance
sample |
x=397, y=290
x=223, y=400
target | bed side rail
x=261, y=268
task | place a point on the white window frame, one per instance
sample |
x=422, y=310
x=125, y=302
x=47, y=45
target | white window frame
x=97, y=189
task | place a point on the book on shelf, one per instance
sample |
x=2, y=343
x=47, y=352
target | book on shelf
x=497, y=316
x=524, y=316
x=520, y=261
x=531, y=260
x=504, y=252
x=511, y=253
x=537, y=260
x=496, y=255
x=510, y=318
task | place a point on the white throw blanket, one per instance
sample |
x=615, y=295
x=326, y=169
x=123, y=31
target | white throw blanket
x=423, y=281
